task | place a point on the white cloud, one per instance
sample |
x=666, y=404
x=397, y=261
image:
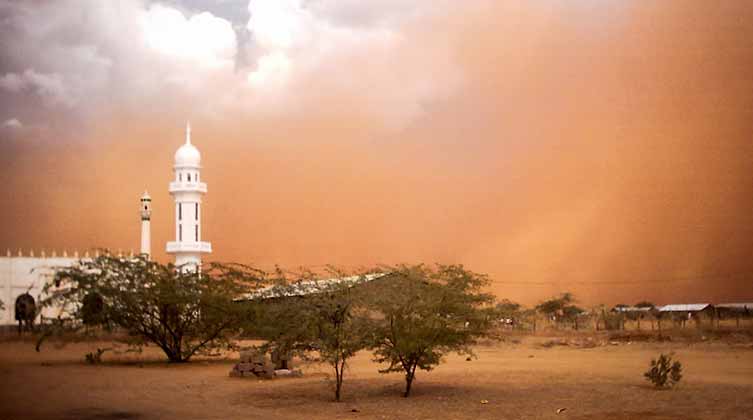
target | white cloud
x=361, y=51
x=89, y=57
x=206, y=40
x=12, y=82
x=271, y=70
x=279, y=24
x=373, y=13
x=49, y=87
x=290, y=33
x=13, y=123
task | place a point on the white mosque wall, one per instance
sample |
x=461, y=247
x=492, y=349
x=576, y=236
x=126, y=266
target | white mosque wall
x=22, y=274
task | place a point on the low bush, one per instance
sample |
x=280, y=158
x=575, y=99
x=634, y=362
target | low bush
x=664, y=372
x=95, y=357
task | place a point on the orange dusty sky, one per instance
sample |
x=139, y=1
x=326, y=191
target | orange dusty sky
x=599, y=147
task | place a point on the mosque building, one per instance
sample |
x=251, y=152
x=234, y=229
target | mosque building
x=21, y=274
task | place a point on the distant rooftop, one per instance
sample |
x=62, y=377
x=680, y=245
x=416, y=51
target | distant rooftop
x=631, y=309
x=684, y=307
x=742, y=305
x=303, y=288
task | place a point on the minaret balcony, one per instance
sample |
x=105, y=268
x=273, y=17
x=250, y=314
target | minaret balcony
x=185, y=186
x=193, y=247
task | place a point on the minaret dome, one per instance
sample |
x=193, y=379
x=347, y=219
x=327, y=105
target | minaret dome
x=187, y=155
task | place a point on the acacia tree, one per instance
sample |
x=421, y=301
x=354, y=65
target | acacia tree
x=509, y=310
x=562, y=308
x=572, y=313
x=424, y=313
x=319, y=319
x=183, y=313
x=555, y=307
x=651, y=312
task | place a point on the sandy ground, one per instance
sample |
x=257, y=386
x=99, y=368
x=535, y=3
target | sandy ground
x=520, y=381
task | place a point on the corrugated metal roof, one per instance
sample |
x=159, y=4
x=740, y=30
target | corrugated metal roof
x=684, y=307
x=631, y=309
x=748, y=305
x=303, y=288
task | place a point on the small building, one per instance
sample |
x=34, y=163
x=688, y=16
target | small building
x=686, y=308
x=683, y=312
x=745, y=308
x=633, y=313
x=638, y=310
x=734, y=311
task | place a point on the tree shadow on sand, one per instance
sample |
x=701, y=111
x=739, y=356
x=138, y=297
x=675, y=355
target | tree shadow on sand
x=305, y=391
x=99, y=414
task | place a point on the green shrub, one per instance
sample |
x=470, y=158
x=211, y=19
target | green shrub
x=663, y=372
x=95, y=358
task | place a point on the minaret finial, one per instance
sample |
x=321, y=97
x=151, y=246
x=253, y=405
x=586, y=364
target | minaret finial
x=188, y=132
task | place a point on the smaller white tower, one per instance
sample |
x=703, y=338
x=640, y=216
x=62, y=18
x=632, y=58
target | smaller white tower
x=146, y=231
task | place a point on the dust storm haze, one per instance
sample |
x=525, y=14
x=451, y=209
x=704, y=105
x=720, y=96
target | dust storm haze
x=599, y=147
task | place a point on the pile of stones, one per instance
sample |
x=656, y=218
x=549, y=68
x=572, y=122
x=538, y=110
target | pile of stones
x=257, y=364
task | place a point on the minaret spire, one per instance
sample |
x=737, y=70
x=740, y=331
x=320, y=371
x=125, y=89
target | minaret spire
x=188, y=132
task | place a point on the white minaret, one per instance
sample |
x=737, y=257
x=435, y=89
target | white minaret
x=146, y=232
x=187, y=191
